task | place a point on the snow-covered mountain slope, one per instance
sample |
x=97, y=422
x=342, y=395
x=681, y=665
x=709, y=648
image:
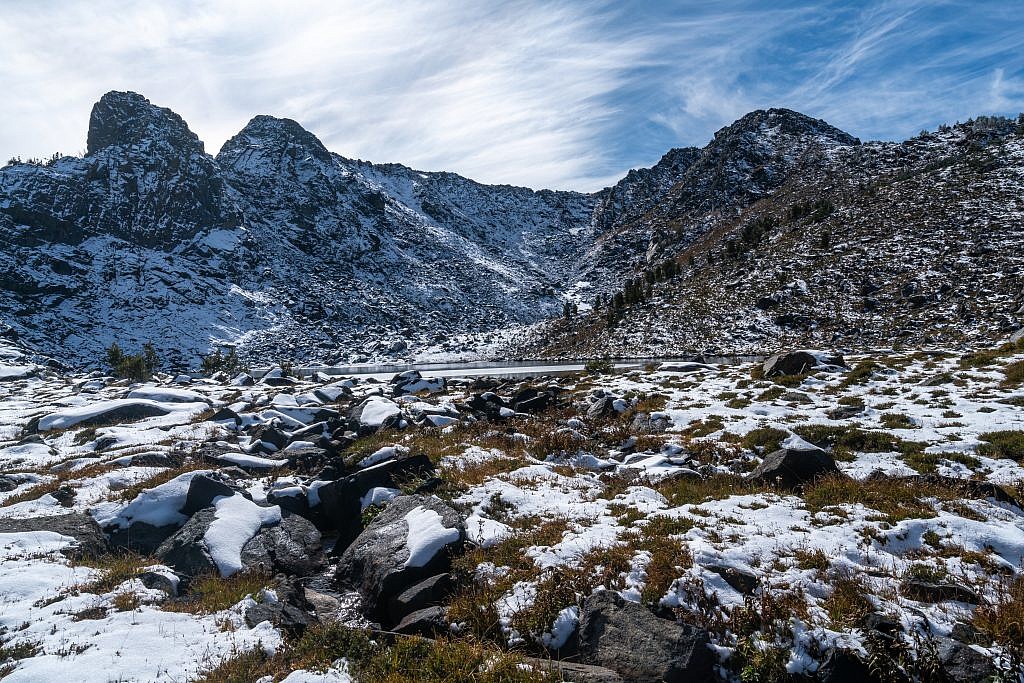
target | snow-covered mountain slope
x=858, y=245
x=276, y=243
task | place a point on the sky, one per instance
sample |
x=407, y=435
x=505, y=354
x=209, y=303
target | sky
x=546, y=94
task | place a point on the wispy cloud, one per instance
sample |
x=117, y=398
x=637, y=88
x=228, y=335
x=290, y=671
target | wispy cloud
x=546, y=94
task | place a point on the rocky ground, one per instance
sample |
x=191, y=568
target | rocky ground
x=809, y=518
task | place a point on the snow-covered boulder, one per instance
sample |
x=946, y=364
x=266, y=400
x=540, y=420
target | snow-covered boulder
x=413, y=539
x=213, y=538
x=117, y=410
x=375, y=413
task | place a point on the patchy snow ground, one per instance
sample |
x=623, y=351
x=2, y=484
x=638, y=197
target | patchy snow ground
x=617, y=496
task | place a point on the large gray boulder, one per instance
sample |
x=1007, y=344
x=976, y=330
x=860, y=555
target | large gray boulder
x=413, y=539
x=791, y=468
x=340, y=501
x=798, y=363
x=185, y=550
x=627, y=638
x=292, y=547
x=83, y=528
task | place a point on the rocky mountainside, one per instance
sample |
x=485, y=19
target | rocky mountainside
x=277, y=244
x=782, y=229
x=819, y=240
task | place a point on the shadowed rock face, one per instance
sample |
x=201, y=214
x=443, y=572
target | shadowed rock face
x=127, y=119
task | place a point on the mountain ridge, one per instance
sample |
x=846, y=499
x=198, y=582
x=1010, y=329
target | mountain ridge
x=291, y=251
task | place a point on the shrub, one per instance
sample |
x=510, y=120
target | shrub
x=222, y=362
x=136, y=366
x=767, y=438
x=598, y=366
x=1014, y=374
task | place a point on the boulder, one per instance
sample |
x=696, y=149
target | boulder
x=185, y=551
x=930, y=591
x=791, y=468
x=427, y=622
x=792, y=363
x=963, y=664
x=292, y=547
x=340, y=501
x=427, y=593
x=373, y=414
x=627, y=638
x=413, y=539
x=799, y=362
x=140, y=537
x=839, y=665
x=601, y=407
x=202, y=491
x=81, y=527
x=738, y=580
x=161, y=579
x=286, y=607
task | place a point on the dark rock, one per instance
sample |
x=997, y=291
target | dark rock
x=963, y=664
x=845, y=666
x=427, y=622
x=78, y=526
x=797, y=363
x=340, y=500
x=125, y=412
x=292, y=547
x=882, y=623
x=791, y=469
x=140, y=537
x=845, y=412
x=601, y=407
x=271, y=435
x=928, y=591
x=290, y=611
x=766, y=303
x=185, y=550
x=202, y=491
x=9, y=483
x=533, y=405
x=573, y=672
x=426, y=593
x=965, y=633
x=159, y=581
x=627, y=638
x=375, y=563
x=741, y=581
x=226, y=414
x=292, y=499
x=65, y=495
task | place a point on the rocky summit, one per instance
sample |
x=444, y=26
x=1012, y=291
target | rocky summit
x=770, y=426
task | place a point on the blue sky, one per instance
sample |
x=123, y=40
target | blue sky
x=545, y=94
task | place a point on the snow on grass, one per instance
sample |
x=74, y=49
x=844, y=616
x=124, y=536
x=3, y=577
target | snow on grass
x=143, y=644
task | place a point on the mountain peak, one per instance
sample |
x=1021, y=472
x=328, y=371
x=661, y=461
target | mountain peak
x=278, y=134
x=788, y=122
x=128, y=118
